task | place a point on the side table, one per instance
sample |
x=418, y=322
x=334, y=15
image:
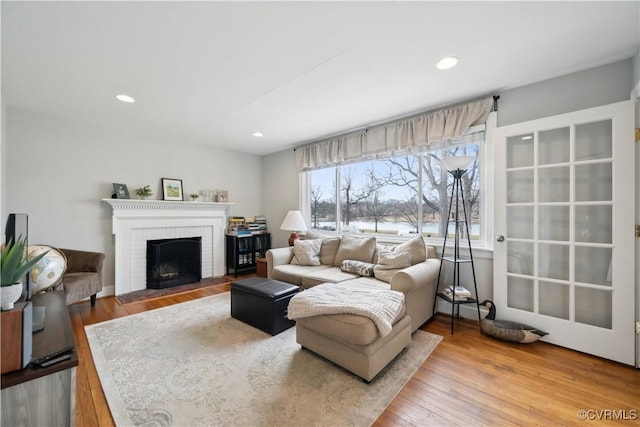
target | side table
x=44, y=396
x=261, y=267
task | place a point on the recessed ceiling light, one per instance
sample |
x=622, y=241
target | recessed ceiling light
x=258, y=134
x=125, y=98
x=447, y=63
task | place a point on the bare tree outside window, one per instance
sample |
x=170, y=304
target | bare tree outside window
x=385, y=196
x=323, y=199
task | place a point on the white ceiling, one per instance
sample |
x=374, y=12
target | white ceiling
x=215, y=72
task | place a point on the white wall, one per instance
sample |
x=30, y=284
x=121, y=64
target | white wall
x=58, y=170
x=281, y=190
x=3, y=135
x=636, y=67
x=3, y=158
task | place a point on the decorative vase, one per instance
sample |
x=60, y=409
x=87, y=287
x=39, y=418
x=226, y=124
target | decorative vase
x=9, y=295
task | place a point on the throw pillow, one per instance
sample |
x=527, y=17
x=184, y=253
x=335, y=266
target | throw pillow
x=357, y=248
x=381, y=248
x=390, y=260
x=414, y=247
x=328, y=250
x=311, y=235
x=389, y=263
x=357, y=267
x=306, y=252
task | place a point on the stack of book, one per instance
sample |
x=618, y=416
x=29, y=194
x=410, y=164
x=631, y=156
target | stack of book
x=257, y=224
x=460, y=293
x=238, y=226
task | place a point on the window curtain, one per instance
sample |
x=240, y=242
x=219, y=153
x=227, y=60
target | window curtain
x=406, y=135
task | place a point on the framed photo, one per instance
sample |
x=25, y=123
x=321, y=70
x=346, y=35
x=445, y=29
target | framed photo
x=222, y=196
x=172, y=189
x=120, y=191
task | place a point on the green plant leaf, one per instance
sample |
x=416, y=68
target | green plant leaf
x=11, y=257
x=15, y=264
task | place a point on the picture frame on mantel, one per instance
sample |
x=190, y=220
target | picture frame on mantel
x=222, y=196
x=172, y=189
x=120, y=191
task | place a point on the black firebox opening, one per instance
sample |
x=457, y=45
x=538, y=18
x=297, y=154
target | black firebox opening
x=173, y=262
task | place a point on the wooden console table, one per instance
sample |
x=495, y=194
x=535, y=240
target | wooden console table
x=44, y=396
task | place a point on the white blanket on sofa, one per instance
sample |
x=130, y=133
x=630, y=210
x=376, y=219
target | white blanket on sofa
x=379, y=305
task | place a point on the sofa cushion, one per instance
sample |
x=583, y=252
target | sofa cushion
x=292, y=273
x=326, y=275
x=357, y=248
x=367, y=283
x=357, y=267
x=414, y=247
x=328, y=250
x=390, y=260
x=306, y=252
x=389, y=263
x=348, y=328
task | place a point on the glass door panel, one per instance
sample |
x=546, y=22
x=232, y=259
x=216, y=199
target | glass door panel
x=594, y=224
x=520, y=293
x=593, y=265
x=554, y=223
x=593, y=182
x=593, y=307
x=520, y=186
x=553, y=184
x=520, y=258
x=520, y=151
x=554, y=299
x=553, y=261
x=520, y=225
x=553, y=146
x=594, y=140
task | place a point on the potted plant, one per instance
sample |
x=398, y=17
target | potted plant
x=15, y=265
x=143, y=192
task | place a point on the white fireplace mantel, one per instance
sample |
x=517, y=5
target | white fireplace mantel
x=136, y=221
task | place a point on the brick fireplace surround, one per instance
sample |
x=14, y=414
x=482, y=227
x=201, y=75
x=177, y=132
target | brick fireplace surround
x=136, y=221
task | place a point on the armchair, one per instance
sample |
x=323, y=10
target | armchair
x=83, y=277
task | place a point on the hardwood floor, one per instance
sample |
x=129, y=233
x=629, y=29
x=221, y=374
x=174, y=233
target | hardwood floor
x=469, y=379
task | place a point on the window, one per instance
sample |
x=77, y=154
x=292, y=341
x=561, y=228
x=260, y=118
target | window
x=397, y=196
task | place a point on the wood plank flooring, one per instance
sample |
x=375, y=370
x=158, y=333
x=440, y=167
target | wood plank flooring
x=468, y=380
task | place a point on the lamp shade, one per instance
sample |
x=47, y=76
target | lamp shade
x=453, y=163
x=293, y=222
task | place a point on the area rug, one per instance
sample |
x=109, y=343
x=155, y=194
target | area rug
x=191, y=364
x=147, y=294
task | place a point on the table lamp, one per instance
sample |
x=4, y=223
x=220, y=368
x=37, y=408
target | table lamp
x=293, y=222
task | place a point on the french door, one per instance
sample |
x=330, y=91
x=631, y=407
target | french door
x=564, y=219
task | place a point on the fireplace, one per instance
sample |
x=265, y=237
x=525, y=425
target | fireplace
x=134, y=222
x=173, y=262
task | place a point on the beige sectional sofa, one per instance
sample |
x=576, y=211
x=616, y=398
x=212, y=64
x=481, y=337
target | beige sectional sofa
x=410, y=267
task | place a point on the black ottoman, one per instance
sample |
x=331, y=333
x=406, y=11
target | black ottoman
x=262, y=303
